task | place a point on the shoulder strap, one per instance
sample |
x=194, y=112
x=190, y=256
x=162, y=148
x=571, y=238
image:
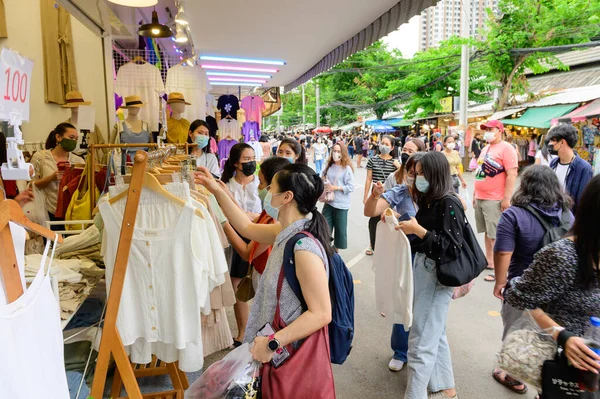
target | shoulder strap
x=545, y=224
x=289, y=266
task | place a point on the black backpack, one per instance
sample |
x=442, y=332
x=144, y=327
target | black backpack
x=553, y=233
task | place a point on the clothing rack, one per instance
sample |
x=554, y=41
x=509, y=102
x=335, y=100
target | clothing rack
x=137, y=145
x=111, y=340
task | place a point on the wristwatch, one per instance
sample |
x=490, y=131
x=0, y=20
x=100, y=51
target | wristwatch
x=274, y=344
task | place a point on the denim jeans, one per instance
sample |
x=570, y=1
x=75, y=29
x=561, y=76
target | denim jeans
x=400, y=342
x=319, y=166
x=429, y=361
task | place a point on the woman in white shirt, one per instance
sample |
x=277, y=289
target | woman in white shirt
x=239, y=174
x=199, y=134
x=320, y=154
x=543, y=157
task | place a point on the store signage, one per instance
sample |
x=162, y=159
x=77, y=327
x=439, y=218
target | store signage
x=15, y=85
x=446, y=104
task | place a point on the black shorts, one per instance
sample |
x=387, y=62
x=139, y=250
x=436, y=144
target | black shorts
x=238, y=268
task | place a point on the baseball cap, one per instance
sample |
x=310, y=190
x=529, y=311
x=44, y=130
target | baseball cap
x=492, y=123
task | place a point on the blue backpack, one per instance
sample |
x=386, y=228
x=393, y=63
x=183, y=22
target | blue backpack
x=341, y=291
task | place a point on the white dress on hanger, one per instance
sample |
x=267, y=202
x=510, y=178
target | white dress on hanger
x=18, y=235
x=144, y=80
x=31, y=342
x=174, y=263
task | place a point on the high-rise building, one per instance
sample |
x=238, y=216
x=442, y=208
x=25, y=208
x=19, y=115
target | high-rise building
x=445, y=19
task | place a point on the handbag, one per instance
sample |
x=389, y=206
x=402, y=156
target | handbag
x=80, y=207
x=245, y=291
x=562, y=381
x=468, y=265
x=306, y=373
x=473, y=164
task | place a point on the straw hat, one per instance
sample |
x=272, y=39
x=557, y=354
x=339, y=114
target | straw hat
x=176, y=98
x=74, y=99
x=134, y=101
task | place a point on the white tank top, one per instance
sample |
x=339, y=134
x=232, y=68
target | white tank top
x=31, y=343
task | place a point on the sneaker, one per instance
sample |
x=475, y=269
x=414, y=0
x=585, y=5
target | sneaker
x=440, y=395
x=396, y=365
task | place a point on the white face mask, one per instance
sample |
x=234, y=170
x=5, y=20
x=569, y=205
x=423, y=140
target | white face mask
x=450, y=146
x=336, y=156
x=489, y=136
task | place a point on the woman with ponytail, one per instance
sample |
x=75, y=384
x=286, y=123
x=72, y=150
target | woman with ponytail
x=292, y=202
x=50, y=164
x=292, y=150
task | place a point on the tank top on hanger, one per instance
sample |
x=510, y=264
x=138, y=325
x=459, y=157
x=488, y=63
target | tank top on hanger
x=31, y=342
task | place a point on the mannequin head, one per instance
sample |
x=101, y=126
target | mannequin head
x=74, y=112
x=178, y=109
x=133, y=112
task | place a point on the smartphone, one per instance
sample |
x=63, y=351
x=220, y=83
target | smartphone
x=278, y=358
x=404, y=218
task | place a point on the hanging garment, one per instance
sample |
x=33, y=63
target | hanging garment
x=31, y=342
x=176, y=260
x=241, y=116
x=394, y=286
x=254, y=106
x=177, y=130
x=18, y=235
x=128, y=136
x=228, y=104
x=143, y=80
x=212, y=125
x=193, y=83
x=229, y=127
x=250, y=130
x=225, y=147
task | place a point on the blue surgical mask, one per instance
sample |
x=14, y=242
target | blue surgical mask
x=270, y=209
x=422, y=184
x=291, y=159
x=202, y=141
x=262, y=194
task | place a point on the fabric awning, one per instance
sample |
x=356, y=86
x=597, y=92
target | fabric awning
x=540, y=117
x=504, y=113
x=582, y=113
x=403, y=123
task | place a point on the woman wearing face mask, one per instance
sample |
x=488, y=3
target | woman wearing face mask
x=400, y=199
x=291, y=150
x=199, y=134
x=320, y=154
x=454, y=160
x=411, y=147
x=379, y=168
x=438, y=225
x=293, y=196
x=239, y=174
x=340, y=174
x=50, y=164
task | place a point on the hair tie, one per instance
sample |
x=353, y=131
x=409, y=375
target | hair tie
x=315, y=209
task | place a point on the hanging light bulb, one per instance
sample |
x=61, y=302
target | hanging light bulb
x=135, y=3
x=181, y=17
x=155, y=29
x=181, y=37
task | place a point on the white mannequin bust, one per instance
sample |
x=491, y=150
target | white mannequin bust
x=177, y=109
x=74, y=115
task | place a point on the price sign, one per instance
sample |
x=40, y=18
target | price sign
x=15, y=85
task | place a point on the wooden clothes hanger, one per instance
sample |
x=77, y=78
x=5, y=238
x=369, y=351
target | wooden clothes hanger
x=138, y=59
x=150, y=181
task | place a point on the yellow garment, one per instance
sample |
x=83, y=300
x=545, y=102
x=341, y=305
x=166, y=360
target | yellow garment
x=454, y=161
x=59, y=60
x=241, y=116
x=177, y=130
x=3, y=30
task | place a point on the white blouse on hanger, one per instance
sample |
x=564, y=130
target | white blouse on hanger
x=175, y=261
x=229, y=127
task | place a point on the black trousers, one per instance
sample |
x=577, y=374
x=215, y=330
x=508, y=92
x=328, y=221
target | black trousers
x=373, y=230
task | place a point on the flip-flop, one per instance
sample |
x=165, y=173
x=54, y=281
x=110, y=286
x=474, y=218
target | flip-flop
x=489, y=267
x=369, y=252
x=509, y=382
x=236, y=343
x=490, y=278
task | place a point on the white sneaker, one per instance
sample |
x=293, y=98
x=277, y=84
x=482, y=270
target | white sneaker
x=440, y=394
x=396, y=365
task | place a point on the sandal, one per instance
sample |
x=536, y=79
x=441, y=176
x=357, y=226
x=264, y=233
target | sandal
x=488, y=267
x=509, y=382
x=369, y=252
x=490, y=278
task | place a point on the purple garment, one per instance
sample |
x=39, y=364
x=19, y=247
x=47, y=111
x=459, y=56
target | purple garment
x=225, y=147
x=249, y=130
x=522, y=234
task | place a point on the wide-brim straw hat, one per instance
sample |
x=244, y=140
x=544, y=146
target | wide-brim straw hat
x=176, y=98
x=74, y=99
x=134, y=101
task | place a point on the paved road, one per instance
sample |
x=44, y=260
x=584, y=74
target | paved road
x=474, y=329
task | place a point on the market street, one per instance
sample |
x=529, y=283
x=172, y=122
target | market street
x=474, y=328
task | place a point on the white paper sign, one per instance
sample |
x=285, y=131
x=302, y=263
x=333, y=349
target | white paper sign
x=15, y=85
x=86, y=118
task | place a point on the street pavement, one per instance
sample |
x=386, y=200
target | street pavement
x=474, y=327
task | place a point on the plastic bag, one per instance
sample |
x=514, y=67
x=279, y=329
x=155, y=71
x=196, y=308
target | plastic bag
x=35, y=210
x=216, y=380
x=246, y=385
x=327, y=196
x=466, y=197
x=525, y=349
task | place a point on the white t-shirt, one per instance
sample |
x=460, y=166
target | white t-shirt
x=210, y=162
x=543, y=161
x=246, y=196
x=561, y=172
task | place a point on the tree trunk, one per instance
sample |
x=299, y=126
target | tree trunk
x=507, y=86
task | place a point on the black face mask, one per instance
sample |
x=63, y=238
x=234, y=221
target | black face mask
x=248, y=168
x=551, y=149
x=404, y=158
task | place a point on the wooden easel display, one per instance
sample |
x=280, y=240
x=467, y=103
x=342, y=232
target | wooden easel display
x=111, y=343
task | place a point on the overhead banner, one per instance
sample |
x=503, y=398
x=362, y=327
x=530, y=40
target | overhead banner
x=15, y=85
x=446, y=104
